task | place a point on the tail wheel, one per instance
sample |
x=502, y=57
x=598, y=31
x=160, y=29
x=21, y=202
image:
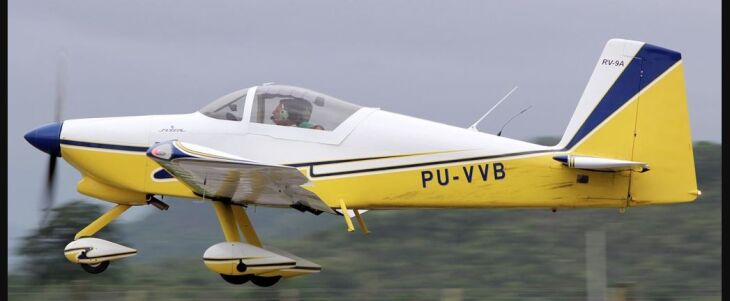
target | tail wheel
x=265, y=281
x=236, y=279
x=95, y=268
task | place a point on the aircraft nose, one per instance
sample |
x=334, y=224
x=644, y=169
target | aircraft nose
x=46, y=138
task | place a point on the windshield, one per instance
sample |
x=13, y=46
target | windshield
x=298, y=107
x=228, y=107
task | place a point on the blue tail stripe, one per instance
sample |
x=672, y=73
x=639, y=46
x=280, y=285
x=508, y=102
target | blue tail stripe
x=625, y=87
x=656, y=61
x=653, y=60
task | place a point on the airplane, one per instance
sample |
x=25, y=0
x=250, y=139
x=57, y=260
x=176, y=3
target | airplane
x=627, y=144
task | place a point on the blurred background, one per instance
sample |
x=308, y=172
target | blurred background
x=444, y=61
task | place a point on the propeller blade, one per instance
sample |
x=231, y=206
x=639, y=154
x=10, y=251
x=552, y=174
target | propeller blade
x=48, y=196
x=61, y=73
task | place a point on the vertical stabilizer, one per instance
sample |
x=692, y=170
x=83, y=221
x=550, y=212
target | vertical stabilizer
x=634, y=108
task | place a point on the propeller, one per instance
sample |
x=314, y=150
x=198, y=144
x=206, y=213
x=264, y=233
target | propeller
x=50, y=185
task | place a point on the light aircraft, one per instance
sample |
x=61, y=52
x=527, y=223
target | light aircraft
x=627, y=144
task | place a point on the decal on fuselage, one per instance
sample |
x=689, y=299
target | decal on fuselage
x=469, y=173
x=172, y=129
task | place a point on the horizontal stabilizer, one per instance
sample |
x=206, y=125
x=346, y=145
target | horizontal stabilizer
x=603, y=164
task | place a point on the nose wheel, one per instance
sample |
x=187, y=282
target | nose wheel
x=95, y=268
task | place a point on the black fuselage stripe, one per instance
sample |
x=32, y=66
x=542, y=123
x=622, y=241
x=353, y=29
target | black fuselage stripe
x=106, y=146
x=338, y=173
x=347, y=160
x=311, y=165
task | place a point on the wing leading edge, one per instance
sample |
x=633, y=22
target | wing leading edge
x=217, y=175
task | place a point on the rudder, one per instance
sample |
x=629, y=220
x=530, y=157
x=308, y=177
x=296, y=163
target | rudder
x=663, y=137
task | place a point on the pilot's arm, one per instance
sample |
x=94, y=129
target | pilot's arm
x=309, y=125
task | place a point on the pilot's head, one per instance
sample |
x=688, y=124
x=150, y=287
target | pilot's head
x=291, y=111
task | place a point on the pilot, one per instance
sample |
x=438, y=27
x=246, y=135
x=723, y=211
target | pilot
x=294, y=112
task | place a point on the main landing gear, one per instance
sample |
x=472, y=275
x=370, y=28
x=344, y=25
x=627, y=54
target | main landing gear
x=236, y=279
x=265, y=281
x=240, y=262
x=257, y=280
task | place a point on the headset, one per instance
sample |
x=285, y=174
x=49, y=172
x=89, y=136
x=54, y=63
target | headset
x=283, y=114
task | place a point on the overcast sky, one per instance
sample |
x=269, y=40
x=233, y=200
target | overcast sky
x=446, y=61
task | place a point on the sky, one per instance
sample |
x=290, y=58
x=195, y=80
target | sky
x=446, y=61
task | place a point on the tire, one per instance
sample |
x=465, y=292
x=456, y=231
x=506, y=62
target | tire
x=265, y=281
x=236, y=279
x=95, y=268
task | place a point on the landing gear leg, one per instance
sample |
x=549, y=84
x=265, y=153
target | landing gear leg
x=244, y=224
x=102, y=221
x=348, y=221
x=224, y=212
x=90, y=230
x=229, y=215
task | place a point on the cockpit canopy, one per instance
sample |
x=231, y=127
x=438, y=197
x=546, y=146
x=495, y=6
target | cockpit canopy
x=283, y=106
x=228, y=107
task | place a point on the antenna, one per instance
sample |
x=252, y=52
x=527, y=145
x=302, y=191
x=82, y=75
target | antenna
x=473, y=127
x=513, y=117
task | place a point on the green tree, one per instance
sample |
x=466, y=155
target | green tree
x=44, y=261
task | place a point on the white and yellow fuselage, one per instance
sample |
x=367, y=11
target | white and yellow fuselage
x=465, y=169
x=378, y=160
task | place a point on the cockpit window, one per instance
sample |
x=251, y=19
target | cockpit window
x=298, y=107
x=228, y=107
